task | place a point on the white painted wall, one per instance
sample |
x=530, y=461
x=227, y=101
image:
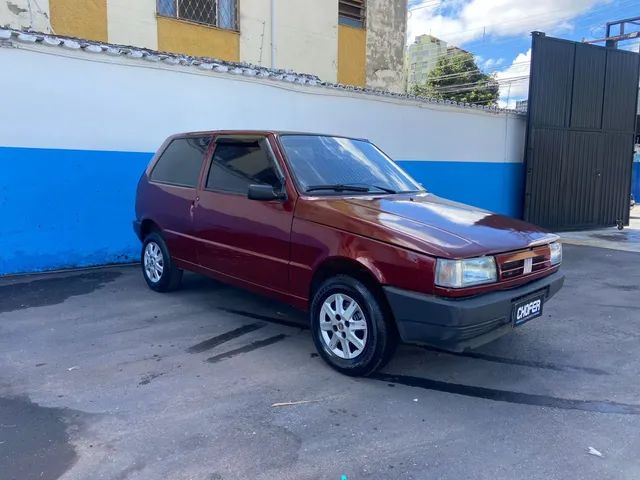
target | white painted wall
x=25, y=14
x=306, y=35
x=132, y=23
x=98, y=102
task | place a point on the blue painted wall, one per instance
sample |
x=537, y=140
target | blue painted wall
x=497, y=187
x=635, y=177
x=73, y=208
x=67, y=208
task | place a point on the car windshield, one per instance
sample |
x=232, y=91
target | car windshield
x=326, y=165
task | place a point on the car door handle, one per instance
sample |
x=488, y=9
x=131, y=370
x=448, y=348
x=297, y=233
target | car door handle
x=193, y=206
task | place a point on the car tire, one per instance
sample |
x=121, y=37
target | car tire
x=366, y=330
x=158, y=268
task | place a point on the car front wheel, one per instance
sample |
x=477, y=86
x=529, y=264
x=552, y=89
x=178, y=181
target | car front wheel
x=158, y=268
x=350, y=327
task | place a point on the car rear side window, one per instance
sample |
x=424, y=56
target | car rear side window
x=181, y=162
x=237, y=164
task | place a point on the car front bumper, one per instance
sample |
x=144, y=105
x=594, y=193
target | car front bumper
x=462, y=324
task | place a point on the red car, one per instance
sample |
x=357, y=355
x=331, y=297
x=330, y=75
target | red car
x=333, y=226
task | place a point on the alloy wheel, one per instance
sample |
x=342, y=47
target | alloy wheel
x=343, y=326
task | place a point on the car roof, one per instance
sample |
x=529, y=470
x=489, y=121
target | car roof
x=261, y=132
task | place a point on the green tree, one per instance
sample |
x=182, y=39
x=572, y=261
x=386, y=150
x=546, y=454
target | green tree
x=457, y=77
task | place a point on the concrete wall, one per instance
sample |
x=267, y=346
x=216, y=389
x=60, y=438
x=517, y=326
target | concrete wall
x=69, y=172
x=386, y=33
x=25, y=15
x=306, y=34
x=307, y=37
x=255, y=28
x=133, y=23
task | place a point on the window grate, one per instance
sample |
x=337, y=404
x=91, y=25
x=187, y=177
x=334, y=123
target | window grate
x=352, y=12
x=216, y=13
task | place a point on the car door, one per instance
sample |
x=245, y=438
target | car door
x=241, y=238
x=171, y=193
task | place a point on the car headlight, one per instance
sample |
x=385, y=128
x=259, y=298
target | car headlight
x=556, y=253
x=465, y=273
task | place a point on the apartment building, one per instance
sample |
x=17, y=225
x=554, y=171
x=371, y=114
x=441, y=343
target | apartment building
x=422, y=56
x=356, y=42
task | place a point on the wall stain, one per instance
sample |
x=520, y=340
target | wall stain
x=16, y=9
x=247, y=348
x=35, y=442
x=224, y=337
x=509, y=396
x=52, y=290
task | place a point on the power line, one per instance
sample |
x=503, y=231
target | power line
x=549, y=15
x=495, y=69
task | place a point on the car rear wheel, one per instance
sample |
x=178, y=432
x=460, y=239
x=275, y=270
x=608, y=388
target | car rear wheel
x=350, y=327
x=158, y=268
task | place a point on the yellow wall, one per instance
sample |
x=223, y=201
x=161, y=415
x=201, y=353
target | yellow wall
x=178, y=36
x=352, y=55
x=84, y=19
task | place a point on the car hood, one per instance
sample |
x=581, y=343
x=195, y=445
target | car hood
x=425, y=223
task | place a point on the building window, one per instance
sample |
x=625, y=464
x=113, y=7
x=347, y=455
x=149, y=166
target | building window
x=216, y=13
x=352, y=13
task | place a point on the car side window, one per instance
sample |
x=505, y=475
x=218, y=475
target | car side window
x=181, y=161
x=236, y=164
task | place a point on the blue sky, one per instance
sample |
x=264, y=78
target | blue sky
x=498, y=31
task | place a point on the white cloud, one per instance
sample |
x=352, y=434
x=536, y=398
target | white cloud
x=514, y=80
x=477, y=18
x=490, y=64
x=631, y=45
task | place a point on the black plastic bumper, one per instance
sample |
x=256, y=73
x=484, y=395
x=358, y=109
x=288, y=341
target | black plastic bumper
x=462, y=324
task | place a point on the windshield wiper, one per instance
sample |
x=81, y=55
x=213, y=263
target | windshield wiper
x=337, y=187
x=341, y=187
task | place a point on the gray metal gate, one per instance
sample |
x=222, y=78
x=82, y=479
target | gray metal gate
x=580, y=134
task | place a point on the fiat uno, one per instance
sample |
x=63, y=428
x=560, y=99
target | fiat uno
x=331, y=225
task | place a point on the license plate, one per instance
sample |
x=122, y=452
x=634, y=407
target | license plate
x=527, y=309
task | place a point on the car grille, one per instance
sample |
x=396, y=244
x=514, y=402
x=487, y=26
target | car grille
x=523, y=262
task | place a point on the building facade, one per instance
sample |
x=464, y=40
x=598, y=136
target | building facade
x=356, y=42
x=422, y=56
x=85, y=122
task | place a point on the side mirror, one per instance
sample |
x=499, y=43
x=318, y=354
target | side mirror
x=264, y=193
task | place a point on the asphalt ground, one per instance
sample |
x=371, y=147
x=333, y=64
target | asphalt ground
x=101, y=378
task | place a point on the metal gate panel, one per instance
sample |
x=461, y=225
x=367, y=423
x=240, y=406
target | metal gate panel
x=616, y=177
x=549, y=106
x=582, y=106
x=580, y=178
x=587, y=98
x=621, y=89
x=550, y=145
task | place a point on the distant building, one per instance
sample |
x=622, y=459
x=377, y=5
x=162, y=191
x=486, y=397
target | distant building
x=522, y=105
x=422, y=56
x=355, y=42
